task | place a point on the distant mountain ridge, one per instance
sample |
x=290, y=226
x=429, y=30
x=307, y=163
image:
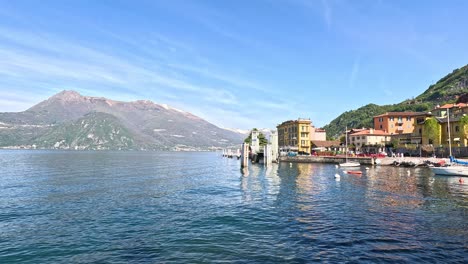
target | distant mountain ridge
x=69, y=120
x=447, y=89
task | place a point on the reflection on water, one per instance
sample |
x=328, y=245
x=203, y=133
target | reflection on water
x=199, y=207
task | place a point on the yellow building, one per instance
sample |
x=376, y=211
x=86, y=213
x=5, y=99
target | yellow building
x=457, y=132
x=294, y=135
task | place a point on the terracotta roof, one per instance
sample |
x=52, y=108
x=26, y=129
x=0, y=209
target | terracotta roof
x=401, y=114
x=325, y=143
x=445, y=106
x=375, y=132
x=354, y=130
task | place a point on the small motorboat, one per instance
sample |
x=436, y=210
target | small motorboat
x=357, y=172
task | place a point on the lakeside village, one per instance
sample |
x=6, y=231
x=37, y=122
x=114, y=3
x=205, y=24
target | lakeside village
x=395, y=136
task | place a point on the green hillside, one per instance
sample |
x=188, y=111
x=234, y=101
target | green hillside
x=93, y=131
x=447, y=89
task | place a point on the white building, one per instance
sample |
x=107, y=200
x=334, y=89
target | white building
x=369, y=137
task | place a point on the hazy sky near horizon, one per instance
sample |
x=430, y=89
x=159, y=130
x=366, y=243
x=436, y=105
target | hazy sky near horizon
x=237, y=64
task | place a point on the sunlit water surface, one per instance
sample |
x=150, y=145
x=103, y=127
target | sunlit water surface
x=162, y=207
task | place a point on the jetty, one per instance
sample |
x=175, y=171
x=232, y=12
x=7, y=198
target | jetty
x=254, y=152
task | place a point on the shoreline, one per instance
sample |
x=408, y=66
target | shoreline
x=387, y=161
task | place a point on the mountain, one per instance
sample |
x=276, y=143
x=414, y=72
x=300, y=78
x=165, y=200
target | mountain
x=447, y=89
x=238, y=130
x=69, y=120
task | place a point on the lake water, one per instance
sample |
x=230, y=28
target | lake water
x=162, y=207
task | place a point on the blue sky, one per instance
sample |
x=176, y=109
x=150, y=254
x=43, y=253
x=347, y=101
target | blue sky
x=238, y=64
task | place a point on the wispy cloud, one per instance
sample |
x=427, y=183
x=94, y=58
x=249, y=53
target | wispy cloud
x=273, y=104
x=227, y=78
x=327, y=13
x=77, y=63
x=354, y=73
x=45, y=60
x=17, y=101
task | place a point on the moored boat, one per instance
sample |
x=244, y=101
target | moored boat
x=348, y=163
x=454, y=167
x=451, y=170
x=354, y=172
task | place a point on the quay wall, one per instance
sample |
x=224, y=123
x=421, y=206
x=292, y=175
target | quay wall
x=364, y=161
x=314, y=159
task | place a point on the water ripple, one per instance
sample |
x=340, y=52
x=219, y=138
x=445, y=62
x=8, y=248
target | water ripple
x=163, y=207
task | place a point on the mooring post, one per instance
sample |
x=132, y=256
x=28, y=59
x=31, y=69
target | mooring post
x=244, y=155
x=267, y=155
x=274, y=145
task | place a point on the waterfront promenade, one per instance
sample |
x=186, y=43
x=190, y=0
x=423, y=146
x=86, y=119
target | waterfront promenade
x=362, y=160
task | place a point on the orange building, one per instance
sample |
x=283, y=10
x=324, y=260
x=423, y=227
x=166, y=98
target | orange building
x=397, y=122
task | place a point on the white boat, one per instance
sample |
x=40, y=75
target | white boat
x=454, y=167
x=348, y=163
x=451, y=170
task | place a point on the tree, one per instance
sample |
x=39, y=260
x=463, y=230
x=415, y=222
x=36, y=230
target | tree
x=261, y=137
x=343, y=139
x=432, y=130
x=394, y=143
x=463, y=126
x=263, y=140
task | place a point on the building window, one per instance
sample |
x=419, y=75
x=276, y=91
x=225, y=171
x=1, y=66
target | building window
x=420, y=131
x=400, y=119
x=408, y=118
x=381, y=127
x=457, y=129
x=391, y=118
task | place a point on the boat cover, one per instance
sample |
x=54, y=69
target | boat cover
x=452, y=159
